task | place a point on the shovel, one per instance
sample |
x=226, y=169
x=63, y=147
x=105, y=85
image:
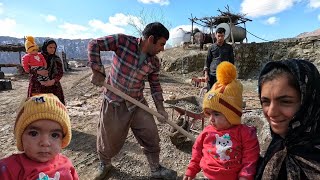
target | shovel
x=146, y=108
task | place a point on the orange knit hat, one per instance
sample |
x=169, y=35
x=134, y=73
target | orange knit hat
x=30, y=44
x=226, y=94
x=42, y=106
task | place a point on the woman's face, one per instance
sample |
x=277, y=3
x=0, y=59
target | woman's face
x=280, y=102
x=51, y=48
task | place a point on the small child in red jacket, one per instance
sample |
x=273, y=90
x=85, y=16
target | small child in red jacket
x=34, y=60
x=225, y=149
x=42, y=129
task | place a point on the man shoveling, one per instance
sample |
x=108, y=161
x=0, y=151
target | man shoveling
x=134, y=62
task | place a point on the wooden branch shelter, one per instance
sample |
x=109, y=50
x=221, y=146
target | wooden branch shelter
x=225, y=17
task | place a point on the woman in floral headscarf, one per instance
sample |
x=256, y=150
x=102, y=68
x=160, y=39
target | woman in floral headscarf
x=54, y=71
x=289, y=92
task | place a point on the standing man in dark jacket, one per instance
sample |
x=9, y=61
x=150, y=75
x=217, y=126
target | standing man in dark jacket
x=219, y=51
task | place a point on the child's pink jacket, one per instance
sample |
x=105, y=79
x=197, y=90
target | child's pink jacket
x=225, y=154
x=29, y=60
x=20, y=167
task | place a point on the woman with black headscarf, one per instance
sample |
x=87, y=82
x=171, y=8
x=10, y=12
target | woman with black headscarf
x=54, y=71
x=289, y=93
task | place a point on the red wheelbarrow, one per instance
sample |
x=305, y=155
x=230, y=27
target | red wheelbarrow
x=189, y=111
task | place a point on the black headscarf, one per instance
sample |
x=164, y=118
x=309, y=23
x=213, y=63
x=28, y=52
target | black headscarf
x=46, y=43
x=297, y=156
x=52, y=59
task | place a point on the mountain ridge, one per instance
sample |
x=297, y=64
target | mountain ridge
x=77, y=48
x=74, y=48
x=308, y=34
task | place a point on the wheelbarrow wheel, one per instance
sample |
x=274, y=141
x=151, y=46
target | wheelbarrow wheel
x=176, y=137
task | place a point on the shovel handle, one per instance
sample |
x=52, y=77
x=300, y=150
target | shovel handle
x=146, y=108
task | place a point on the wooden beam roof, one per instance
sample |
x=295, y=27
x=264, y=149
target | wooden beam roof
x=12, y=48
x=224, y=17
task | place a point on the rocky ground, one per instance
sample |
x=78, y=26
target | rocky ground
x=83, y=102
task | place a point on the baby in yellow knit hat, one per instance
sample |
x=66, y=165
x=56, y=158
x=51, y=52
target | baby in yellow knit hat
x=225, y=149
x=42, y=129
x=34, y=60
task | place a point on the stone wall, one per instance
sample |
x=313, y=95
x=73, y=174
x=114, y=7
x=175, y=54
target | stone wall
x=181, y=60
x=250, y=58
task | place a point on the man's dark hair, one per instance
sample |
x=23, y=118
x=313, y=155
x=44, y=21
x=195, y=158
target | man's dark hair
x=157, y=30
x=221, y=30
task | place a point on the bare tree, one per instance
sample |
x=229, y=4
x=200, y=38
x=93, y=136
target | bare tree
x=143, y=17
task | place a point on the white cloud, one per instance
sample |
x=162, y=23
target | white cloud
x=136, y=21
x=120, y=19
x=107, y=28
x=71, y=28
x=116, y=24
x=8, y=27
x=256, y=8
x=72, y=31
x=272, y=20
x=314, y=3
x=319, y=17
x=1, y=8
x=161, y=2
x=49, y=18
x=97, y=28
x=64, y=35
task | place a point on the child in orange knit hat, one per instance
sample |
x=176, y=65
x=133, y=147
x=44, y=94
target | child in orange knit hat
x=34, y=60
x=225, y=149
x=42, y=129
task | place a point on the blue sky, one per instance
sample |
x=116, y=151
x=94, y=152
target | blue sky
x=72, y=19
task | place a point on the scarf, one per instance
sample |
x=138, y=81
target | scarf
x=297, y=156
x=52, y=59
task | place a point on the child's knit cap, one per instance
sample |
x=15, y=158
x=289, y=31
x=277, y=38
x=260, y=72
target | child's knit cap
x=225, y=96
x=42, y=107
x=30, y=44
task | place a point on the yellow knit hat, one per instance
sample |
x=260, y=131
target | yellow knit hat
x=30, y=44
x=225, y=96
x=39, y=107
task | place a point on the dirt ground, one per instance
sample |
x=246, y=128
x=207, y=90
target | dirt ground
x=83, y=103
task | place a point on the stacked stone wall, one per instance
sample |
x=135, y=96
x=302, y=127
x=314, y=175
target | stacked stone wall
x=249, y=57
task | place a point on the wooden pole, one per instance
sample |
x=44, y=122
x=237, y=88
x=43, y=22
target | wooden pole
x=230, y=26
x=192, y=29
x=20, y=57
x=146, y=108
x=246, y=31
